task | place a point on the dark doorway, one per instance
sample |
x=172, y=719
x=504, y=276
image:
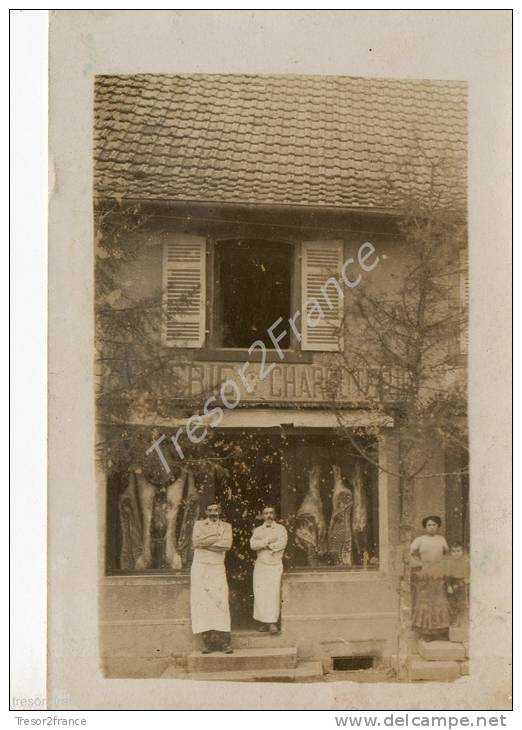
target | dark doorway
x=457, y=498
x=250, y=479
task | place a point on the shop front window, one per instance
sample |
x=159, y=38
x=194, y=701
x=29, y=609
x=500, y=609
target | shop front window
x=331, y=505
x=149, y=524
x=325, y=493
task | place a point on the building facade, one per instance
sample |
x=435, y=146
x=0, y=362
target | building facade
x=238, y=220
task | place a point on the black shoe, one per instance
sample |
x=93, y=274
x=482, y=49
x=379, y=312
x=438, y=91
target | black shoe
x=264, y=628
x=228, y=650
x=206, y=650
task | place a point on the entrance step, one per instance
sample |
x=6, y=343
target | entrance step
x=258, y=640
x=304, y=672
x=243, y=659
x=459, y=634
x=433, y=671
x=441, y=651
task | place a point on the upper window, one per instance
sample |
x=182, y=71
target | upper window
x=253, y=290
x=253, y=284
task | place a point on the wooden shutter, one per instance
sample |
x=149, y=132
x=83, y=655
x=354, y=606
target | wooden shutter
x=184, y=297
x=464, y=298
x=321, y=260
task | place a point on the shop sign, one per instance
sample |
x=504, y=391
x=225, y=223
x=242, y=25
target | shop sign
x=293, y=383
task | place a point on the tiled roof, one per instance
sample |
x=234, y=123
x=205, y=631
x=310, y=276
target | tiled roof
x=298, y=140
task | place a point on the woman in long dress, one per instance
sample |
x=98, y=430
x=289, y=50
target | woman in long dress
x=430, y=603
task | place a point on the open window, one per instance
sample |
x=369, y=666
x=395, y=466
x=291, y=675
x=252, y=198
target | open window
x=254, y=283
x=253, y=289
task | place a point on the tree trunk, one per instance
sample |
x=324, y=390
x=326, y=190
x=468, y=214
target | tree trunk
x=405, y=598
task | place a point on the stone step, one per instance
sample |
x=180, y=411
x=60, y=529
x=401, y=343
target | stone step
x=258, y=640
x=304, y=672
x=433, y=671
x=243, y=659
x=460, y=634
x=441, y=651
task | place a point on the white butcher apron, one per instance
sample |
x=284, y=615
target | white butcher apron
x=268, y=570
x=209, y=606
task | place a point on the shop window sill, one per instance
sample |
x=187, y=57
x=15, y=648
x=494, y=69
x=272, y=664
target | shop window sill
x=147, y=577
x=334, y=574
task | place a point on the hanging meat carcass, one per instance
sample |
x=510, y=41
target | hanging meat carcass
x=310, y=530
x=340, y=527
x=360, y=515
x=131, y=528
x=191, y=509
x=174, y=499
x=146, y=494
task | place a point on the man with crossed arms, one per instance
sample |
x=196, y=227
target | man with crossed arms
x=269, y=541
x=209, y=607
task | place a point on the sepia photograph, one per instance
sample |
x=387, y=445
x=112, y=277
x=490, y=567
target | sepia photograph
x=281, y=335
x=261, y=371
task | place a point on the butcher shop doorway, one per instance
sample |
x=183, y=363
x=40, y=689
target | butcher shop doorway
x=251, y=478
x=325, y=494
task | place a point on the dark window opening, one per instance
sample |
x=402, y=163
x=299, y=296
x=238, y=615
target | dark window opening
x=352, y=663
x=254, y=283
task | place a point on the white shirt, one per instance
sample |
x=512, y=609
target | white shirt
x=211, y=540
x=429, y=547
x=269, y=541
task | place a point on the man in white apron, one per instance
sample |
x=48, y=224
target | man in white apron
x=269, y=541
x=210, y=612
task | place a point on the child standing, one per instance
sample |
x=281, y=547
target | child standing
x=457, y=585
